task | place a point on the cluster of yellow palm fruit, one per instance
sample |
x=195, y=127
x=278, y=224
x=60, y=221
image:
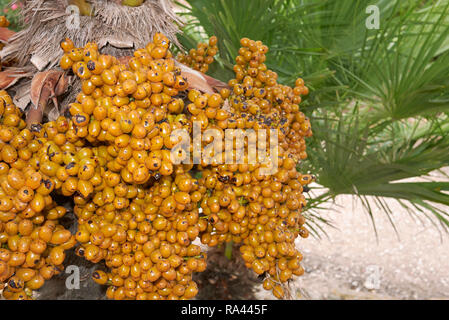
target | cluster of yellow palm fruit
x=259, y=204
x=201, y=57
x=141, y=214
x=137, y=209
x=32, y=242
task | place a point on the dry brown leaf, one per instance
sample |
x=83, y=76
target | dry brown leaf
x=8, y=78
x=214, y=83
x=200, y=81
x=44, y=87
x=195, y=79
x=5, y=34
x=62, y=85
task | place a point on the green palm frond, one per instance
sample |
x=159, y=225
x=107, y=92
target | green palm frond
x=350, y=160
x=405, y=65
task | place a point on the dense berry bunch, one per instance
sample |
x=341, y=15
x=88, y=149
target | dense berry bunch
x=262, y=102
x=33, y=243
x=201, y=57
x=137, y=209
x=140, y=213
x=245, y=205
x=146, y=240
x=128, y=107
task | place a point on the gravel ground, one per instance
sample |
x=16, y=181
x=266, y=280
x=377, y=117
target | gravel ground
x=352, y=264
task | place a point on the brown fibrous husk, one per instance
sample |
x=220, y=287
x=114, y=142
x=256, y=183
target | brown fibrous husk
x=118, y=30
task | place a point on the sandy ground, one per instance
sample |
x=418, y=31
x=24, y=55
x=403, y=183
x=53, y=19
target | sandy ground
x=352, y=264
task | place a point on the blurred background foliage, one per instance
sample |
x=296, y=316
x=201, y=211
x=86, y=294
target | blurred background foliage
x=10, y=9
x=379, y=98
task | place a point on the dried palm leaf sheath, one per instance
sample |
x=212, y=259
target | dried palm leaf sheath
x=113, y=26
x=117, y=29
